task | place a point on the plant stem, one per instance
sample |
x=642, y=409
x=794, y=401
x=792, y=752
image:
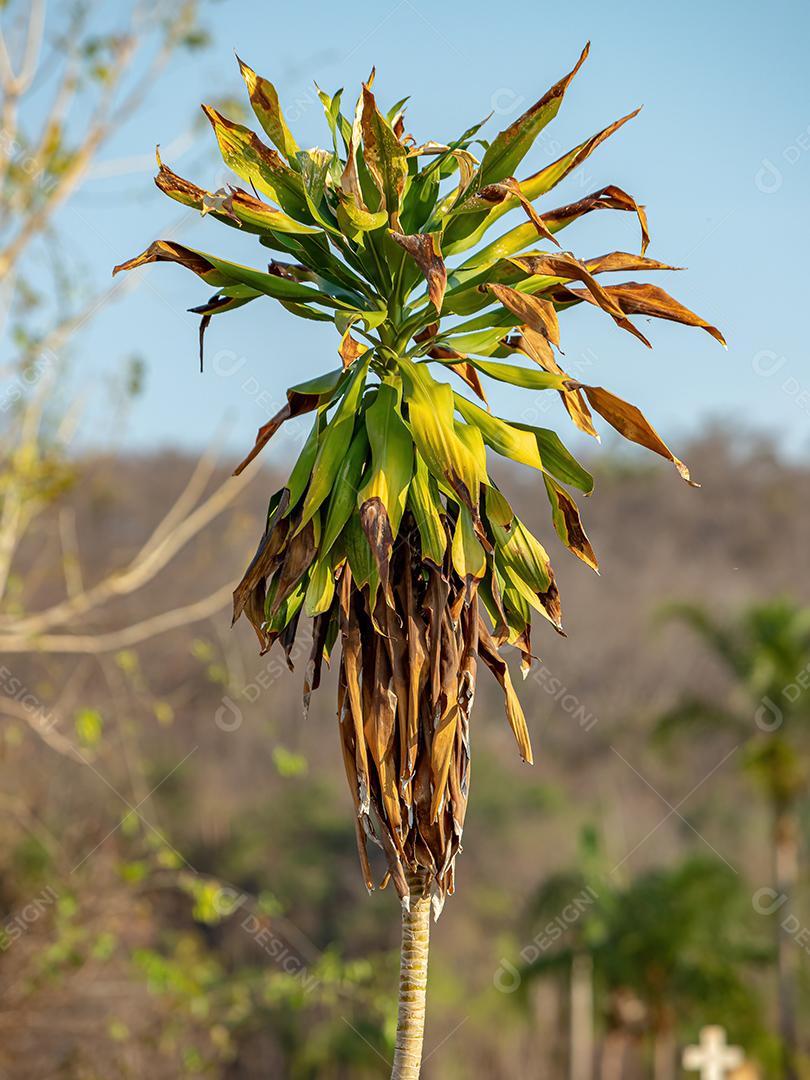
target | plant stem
x=412, y=981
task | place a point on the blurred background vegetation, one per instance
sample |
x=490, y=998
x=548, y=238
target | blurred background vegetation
x=178, y=876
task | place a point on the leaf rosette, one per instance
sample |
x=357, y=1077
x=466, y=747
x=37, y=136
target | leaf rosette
x=390, y=533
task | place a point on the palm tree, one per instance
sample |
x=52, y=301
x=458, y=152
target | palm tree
x=666, y=949
x=766, y=650
x=681, y=942
x=575, y=909
x=390, y=534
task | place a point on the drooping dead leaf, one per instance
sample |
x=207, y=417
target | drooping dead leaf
x=536, y=312
x=537, y=347
x=629, y=421
x=623, y=260
x=377, y=527
x=565, y=265
x=169, y=251
x=567, y=522
x=495, y=194
x=637, y=298
x=424, y=249
x=607, y=198
x=469, y=374
x=350, y=349
x=300, y=551
x=488, y=652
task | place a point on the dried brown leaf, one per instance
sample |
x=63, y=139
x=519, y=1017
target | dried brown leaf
x=631, y=422
x=488, y=652
x=424, y=249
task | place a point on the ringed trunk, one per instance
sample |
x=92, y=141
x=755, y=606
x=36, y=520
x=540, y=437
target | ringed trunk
x=412, y=980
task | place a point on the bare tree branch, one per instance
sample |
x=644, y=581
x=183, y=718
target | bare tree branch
x=120, y=639
x=153, y=557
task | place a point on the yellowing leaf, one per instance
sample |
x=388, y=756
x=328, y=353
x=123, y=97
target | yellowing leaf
x=424, y=503
x=238, y=208
x=430, y=418
x=321, y=588
x=504, y=439
x=335, y=443
x=529, y=378
x=246, y=155
x=468, y=556
x=385, y=156
x=507, y=149
x=567, y=522
x=264, y=99
x=391, y=455
x=488, y=652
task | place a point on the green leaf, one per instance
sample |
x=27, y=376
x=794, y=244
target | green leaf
x=362, y=563
x=336, y=441
x=331, y=108
x=355, y=219
x=396, y=108
x=288, y=608
x=530, y=378
x=418, y=202
x=499, y=512
x=524, y=563
x=474, y=441
x=313, y=251
x=391, y=455
x=221, y=273
x=347, y=484
x=302, y=470
x=499, y=163
x=482, y=342
x=505, y=439
x=461, y=143
x=609, y=198
x=430, y=418
x=557, y=459
x=326, y=383
x=425, y=504
x=314, y=165
x=321, y=588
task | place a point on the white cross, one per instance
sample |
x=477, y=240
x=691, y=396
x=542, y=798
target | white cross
x=713, y=1058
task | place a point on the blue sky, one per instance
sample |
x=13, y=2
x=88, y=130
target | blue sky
x=720, y=155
